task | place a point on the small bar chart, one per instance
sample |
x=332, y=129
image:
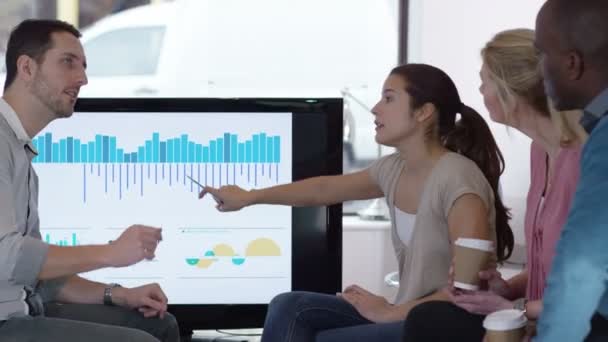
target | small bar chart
x=69, y=240
x=228, y=159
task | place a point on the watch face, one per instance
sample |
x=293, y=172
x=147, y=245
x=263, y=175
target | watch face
x=520, y=304
x=107, y=295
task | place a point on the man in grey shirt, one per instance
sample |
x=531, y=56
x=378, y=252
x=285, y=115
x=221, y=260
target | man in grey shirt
x=41, y=296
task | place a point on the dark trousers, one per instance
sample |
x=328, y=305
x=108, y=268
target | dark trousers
x=440, y=321
x=89, y=323
x=443, y=321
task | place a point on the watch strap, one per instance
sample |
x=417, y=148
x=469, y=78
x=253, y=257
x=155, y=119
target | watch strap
x=107, y=294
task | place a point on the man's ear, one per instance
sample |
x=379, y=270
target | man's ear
x=26, y=68
x=575, y=65
x=425, y=112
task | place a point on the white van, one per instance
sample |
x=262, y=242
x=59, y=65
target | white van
x=244, y=48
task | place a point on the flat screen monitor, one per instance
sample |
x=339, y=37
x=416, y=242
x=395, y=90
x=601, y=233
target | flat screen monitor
x=118, y=162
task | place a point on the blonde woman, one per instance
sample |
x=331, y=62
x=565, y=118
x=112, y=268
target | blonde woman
x=512, y=88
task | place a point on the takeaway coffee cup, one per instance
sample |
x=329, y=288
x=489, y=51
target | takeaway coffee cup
x=470, y=257
x=505, y=326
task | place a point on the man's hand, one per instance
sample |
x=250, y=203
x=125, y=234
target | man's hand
x=149, y=299
x=134, y=244
x=375, y=308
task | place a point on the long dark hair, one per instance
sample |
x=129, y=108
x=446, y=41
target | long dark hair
x=469, y=136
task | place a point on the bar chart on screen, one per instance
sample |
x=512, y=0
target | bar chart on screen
x=224, y=160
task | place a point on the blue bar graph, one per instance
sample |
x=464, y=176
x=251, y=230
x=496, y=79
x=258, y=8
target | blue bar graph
x=227, y=149
x=184, y=148
x=70, y=150
x=199, y=153
x=248, y=148
x=106, y=149
x=262, y=148
x=170, y=151
x=206, y=154
x=112, y=149
x=241, y=153
x=120, y=155
x=233, y=148
x=220, y=151
x=277, y=149
x=155, y=147
x=48, y=142
x=91, y=159
x=212, y=151
x=256, y=148
x=41, y=149
x=149, y=151
x=219, y=156
x=98, y=148
x=55, y=157
x=163, y=152
x=62, y=242
x=62, y=150
x=77, y=150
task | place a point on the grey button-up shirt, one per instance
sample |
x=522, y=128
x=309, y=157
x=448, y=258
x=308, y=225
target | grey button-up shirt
x=22, y=252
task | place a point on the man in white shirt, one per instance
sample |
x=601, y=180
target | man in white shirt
x=45, y=70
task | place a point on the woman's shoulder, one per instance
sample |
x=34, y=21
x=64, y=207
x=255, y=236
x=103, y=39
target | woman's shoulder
x=387, y=163
x=457, y=172
x=453, y=163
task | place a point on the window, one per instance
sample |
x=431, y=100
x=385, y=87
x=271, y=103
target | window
x=257, y=48
x=124, y=52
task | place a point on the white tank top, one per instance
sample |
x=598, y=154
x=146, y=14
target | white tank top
x=404, y=222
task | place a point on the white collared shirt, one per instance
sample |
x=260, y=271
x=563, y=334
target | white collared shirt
x=15, y=123
x=21, y=249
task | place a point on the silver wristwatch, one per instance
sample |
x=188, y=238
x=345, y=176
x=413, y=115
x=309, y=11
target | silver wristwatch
x=107, y=293
x=520, y=304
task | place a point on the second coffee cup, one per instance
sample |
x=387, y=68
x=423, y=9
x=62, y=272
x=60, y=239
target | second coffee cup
x=470, y=257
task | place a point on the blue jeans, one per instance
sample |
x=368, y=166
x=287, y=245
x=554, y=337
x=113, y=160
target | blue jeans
x=306, y=317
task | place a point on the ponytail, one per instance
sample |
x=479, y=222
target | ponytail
x=471, y=137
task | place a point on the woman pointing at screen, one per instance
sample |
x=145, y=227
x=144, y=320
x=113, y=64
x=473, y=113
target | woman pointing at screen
x=440, y=185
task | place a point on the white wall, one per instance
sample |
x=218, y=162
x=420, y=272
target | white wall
x=450, y=35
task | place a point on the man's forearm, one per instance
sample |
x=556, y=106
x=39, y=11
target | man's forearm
x=67, y=261
x=78, y=290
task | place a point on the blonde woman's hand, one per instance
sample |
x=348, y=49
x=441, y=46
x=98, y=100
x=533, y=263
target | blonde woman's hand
x=481, y=302
x=495, y=282
x=228, y=198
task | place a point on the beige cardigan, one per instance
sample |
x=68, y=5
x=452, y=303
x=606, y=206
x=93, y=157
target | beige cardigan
x=424, y=264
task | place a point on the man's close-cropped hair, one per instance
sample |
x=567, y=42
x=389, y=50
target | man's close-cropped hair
x=32, y=37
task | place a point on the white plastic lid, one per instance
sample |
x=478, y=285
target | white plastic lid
x=505, y=320
x=485, y=245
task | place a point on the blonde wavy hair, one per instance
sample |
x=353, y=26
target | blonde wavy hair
x=513, y=65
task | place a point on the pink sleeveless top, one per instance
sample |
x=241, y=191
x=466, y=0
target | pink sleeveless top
x=546, y=216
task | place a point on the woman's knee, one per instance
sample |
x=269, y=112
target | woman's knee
x=287, y=301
